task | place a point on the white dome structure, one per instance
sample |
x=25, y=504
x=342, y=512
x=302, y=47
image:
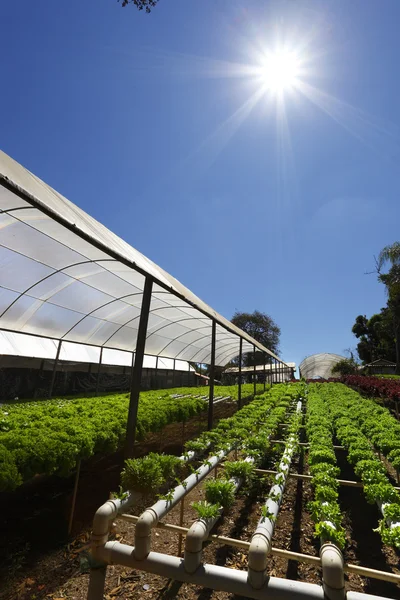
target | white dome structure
x=319, y=365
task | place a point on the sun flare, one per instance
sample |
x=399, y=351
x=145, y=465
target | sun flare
x=280, y=70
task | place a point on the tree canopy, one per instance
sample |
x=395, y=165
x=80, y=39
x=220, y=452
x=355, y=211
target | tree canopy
x=376, y=336
x=263, y=329
x=146, y=5
x=347, y=366
x=391, y=255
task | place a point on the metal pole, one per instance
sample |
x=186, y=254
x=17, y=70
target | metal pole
x=98, y=371
x=240, y=373
x=254, y=372
x=212, y=375
x=137, y=368
x=156, y=372
x=173, y=374
x=71, y=516
x=264, y=358
x=53, y=377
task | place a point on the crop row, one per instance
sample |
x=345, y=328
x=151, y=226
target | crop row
x=378, y=424
x=374, y=386
x=324, y=470
x=349, y=416
x=248, y=430
x=50, y=436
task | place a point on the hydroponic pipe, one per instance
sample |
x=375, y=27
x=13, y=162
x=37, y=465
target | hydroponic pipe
x=199, y=532
x=382, y=506
x=211, y=576
x=260, y=544
x=332, y=564
x=150, y=517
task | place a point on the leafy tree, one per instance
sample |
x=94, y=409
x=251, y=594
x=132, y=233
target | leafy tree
x=146, y=5
x=376, y=336
x=263, y=329
x=347, y=366
x=391, y=279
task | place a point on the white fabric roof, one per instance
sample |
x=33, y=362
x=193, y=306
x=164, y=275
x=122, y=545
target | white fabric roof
x=65, y=276
x=319, y=365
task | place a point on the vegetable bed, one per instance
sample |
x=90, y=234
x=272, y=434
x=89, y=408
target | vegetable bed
x=50, y=436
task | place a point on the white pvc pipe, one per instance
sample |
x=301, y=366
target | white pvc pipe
x=150, y=517
x=260, y=544
x=227, y=580
x=199, y=532
x=332, y=564
x=382, y=506
x=361, y=596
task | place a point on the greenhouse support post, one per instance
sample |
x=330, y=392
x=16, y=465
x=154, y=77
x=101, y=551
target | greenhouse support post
x=173, y=374
x=137, y=368
x=254, y=372
x=74, y=495
x=53, y=377
x=264, y=359
x=212, y=375
x=98, y=370
x=240, y=373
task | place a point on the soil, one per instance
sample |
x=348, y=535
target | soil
x=63, y=572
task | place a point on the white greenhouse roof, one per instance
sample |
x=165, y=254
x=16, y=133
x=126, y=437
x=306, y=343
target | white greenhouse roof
x=260, y=368
x=29, y=346
x=319, y=365
x=65, y=276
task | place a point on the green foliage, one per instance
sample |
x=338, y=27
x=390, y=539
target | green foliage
x=206, y=510
x=376, y=336
x=347, y=366
x=325, y=508
x=263, y=329
x=330, y=534
x=240, y=469
x=50, y=436
x=358, y=420
x=149, y=473
x=145, y=5
x=267, y=514
x=220, y=492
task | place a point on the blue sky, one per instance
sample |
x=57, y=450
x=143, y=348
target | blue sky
x=144, y=121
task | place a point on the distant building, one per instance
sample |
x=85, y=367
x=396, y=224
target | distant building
x=381, y=367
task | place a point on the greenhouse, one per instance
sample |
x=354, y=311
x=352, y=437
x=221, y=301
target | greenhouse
x=319, y=365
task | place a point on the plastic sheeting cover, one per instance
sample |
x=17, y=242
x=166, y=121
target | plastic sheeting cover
x=63, y=275
x=319, y=365
x=20, y=344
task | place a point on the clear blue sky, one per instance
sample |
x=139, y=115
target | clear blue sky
x=279, y=206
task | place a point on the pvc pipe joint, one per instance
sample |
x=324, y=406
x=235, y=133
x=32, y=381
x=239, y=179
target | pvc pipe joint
x=145, y=524
x=260, y=547
x=332, y=572
x=197, y=534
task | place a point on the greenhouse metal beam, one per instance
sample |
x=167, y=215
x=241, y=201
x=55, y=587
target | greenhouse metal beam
x=212, y=376
x=254, y=372
x=53, y=377
x=240, y=373
x=137, y=368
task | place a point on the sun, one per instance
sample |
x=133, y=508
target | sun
x=280, y=70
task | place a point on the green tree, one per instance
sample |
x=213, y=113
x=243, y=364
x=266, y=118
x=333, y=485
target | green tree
x=146, y=5
x=376, y=336
x=347, y=366
x=263, y=329
x=391, y=255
